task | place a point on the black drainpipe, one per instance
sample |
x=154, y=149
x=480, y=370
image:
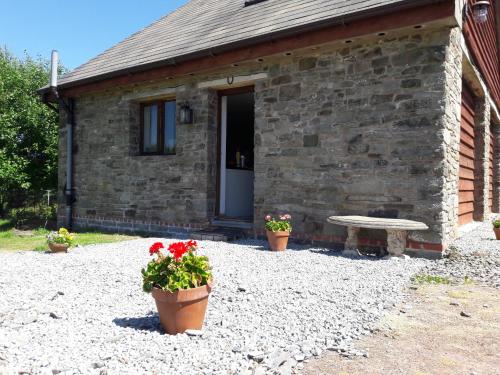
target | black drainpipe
x=69, y=191
x=68, y=106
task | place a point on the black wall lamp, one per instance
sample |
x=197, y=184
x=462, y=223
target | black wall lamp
x=480, y=10
x=186, y=114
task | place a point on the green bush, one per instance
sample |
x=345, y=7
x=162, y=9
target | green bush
x=33, y=216
x=28, y=131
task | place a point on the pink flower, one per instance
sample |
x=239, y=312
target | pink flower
x=268, y=218
x=287, y=217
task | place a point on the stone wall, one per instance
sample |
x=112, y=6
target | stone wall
x=482, y=161
x=113, y=181
x=496, y=168
x=450, y=137
x=364, y=128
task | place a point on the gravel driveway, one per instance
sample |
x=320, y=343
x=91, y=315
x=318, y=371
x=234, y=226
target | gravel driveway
x=475, y=255
x=85, y=312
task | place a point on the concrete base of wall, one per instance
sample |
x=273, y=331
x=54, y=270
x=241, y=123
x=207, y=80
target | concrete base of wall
x=180, y=230
x=161, y=229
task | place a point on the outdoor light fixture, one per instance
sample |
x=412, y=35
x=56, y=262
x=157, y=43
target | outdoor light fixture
x=186, y=114
x=480, y=10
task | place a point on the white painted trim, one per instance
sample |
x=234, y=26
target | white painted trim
x=236, y=81
x=223, y=137
x=459, y=9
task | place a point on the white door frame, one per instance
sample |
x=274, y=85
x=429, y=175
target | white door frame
x=223, y=138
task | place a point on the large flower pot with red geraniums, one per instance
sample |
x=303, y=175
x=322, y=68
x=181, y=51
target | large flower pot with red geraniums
x=278, y=231
x=180, y=284
x=496, y=227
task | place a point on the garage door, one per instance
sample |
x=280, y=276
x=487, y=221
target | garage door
x=466, y=173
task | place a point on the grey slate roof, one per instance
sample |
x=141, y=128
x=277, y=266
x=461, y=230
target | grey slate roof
x=204, y=25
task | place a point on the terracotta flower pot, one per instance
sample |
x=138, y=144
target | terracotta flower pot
x=58, y=247
x=497, y=232
x=278, y=240
x=182, y=310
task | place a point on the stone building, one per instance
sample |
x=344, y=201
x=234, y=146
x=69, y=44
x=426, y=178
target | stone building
x=227, y=110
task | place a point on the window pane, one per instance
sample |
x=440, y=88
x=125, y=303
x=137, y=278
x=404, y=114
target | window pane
x=170, y=127
x=150, y=128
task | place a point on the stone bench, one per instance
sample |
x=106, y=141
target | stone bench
x=396, y=231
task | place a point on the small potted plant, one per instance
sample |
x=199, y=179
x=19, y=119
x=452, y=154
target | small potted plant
x=180, y=282
x=278, y=231
x=60, y=241
x=496, y=227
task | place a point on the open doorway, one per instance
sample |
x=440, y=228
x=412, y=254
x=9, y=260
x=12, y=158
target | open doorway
x=236, y=169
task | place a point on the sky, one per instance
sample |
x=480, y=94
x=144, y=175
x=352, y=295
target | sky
x=78, y=29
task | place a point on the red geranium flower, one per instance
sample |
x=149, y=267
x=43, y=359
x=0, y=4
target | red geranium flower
x=192, y=244
x=155, y=248
x=178, y=249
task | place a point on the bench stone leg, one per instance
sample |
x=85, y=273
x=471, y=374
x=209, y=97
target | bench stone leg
x=396, y=242
x=351, y=243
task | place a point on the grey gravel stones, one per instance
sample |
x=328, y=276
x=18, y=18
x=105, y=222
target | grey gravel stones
x=256, y=356
x=474, y=257
x=194, y=332
x=269, y=312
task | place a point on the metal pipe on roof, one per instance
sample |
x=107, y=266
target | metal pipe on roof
x=54, y=60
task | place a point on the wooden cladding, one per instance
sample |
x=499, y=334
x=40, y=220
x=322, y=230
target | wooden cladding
x=481, y=39
x=491, y=169
x=466, y=206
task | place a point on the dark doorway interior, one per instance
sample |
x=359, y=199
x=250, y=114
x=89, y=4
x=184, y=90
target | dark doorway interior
x=240, y=131
x=237, y=156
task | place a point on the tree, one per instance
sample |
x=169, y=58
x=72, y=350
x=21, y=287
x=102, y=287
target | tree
x=28, y=129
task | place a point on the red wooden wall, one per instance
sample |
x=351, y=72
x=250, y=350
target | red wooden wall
x=466, y=187
x=481, y=40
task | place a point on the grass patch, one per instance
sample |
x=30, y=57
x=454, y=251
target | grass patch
x=468, y=280
x=430, y=279
x=91, y=238
x=37, y=241
x=458, y=294
x=5, y=224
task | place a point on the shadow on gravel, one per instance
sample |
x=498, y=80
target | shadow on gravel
x=148, y=323
x=290, y=247
x=266, y=249
x=338, y=254
x=295, y=247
